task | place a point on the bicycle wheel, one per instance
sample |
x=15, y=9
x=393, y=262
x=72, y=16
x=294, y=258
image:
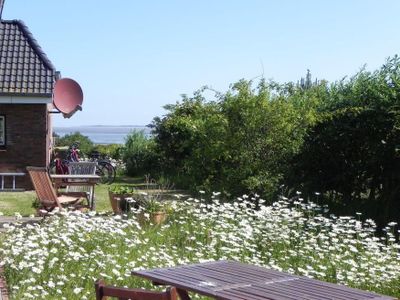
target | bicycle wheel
x=106, y=171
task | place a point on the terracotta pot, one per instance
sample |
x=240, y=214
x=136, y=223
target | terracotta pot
x=118, y=202
x=114, y=201
x=155, y=218
x=158, y=217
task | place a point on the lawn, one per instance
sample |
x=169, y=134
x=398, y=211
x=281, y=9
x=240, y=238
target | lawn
x=21, y=202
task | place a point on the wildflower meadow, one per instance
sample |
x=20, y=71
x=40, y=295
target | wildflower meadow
x=63, y=256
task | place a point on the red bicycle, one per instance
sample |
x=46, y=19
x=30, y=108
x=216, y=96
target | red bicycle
x=104, y=167
x=59, y=165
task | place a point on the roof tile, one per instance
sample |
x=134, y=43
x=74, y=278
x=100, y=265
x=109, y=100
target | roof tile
x=24, y=67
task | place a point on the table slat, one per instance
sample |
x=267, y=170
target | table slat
x=230, y=280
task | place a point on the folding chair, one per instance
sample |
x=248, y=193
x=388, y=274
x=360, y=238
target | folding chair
x=103, y=291
x=47, y=195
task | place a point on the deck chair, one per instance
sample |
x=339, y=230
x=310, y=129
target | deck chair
x=103, y=291
x=82, y=168
x=46, y=194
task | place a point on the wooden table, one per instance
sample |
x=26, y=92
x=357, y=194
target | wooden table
x=60, y=180
x=229, y=280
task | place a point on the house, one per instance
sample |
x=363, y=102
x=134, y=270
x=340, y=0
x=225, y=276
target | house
x=27, y=79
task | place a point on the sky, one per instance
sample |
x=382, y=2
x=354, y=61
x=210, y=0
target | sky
x=133, y=57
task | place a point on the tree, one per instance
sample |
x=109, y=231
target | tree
x=190, y=141
x=238, y=144
x=85, y=144
x=351, y=154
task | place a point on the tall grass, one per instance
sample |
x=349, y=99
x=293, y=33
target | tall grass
x=61, y=258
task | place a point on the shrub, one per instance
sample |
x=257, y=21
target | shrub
x=139, y=154
x=113, y=151
x=238, y=144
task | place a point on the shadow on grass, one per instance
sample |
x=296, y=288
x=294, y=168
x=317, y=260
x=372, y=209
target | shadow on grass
x=21, y=202
x=140, y=184
x=129, y=180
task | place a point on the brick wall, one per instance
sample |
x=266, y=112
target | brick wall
x=26, y=139
x=3, y=286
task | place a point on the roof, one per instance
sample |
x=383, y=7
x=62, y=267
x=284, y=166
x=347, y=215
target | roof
x=25, y=69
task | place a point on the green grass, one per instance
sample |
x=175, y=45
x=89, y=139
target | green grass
x=21, y=202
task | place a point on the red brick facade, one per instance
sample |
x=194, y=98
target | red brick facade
x=3, y=286
x=27, y=139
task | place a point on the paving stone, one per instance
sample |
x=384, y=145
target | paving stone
x=13, y=220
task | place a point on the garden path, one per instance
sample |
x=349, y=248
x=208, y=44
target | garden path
x=14, y=220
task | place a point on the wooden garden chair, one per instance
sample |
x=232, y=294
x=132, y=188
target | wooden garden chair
x=82, y=168
x=103, y=291
x=46, y=194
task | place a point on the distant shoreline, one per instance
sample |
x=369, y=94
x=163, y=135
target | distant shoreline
x=81, y=126
x=103, y=134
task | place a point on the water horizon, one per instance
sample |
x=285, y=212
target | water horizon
x=103, y=134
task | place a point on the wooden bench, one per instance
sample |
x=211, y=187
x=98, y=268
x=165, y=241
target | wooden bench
x=13, y=175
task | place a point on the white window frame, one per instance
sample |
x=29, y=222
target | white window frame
x=2, y=130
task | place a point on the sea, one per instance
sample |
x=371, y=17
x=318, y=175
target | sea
x=103, y=134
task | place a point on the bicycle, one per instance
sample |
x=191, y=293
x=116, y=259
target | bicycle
x=59, y=165
x=104, y=168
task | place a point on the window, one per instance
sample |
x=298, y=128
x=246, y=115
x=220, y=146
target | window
x=2, y=130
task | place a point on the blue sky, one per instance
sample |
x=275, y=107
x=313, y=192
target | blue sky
x=133, y=57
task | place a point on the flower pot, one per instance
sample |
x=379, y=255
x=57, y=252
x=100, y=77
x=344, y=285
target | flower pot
x=114, y=201
x=156, y=218
x=118, y=202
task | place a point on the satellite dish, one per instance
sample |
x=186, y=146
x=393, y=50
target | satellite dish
x=67, y=96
